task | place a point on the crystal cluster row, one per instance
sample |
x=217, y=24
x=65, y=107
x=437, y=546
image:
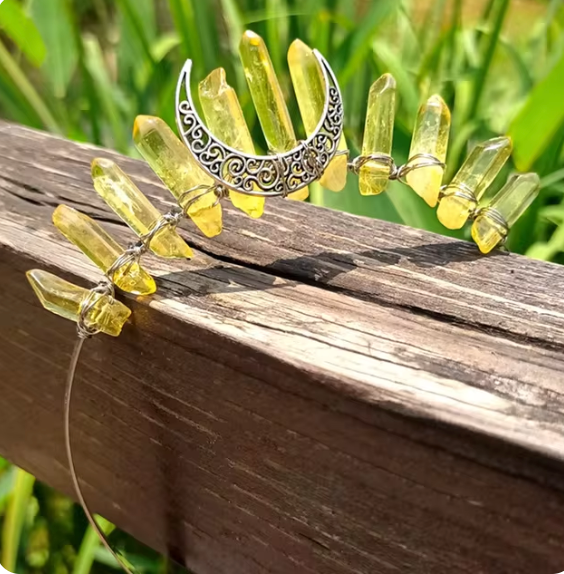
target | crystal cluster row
x=172, y=162
x=458, y=201
x=97, y=310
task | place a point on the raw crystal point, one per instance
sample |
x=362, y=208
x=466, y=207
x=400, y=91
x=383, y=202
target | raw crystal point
x=508, y=206
x=172, y=161
x=476, y=174
x=226, y=121
x=102, y=250
x=309, y=86
x=66, y=299
x=123, y=196
x=268, y=99
x=378, y=134
x=430, y=136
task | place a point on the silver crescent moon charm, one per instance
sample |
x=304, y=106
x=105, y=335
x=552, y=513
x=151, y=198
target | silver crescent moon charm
x=268, y=175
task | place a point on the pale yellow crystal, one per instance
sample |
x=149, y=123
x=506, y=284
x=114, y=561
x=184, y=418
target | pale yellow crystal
x=268, y=98
x=66, y=299
x=309, y=86
x=378, y=134
x=226, y=121
x=509, y=204
x=127, y=201
x=430, y=136
x=172, y=161
x=476, y=174
x=101, y=248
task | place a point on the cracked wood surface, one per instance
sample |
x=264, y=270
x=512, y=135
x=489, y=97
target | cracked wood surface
x=313, y=392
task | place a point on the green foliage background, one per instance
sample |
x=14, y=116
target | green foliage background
x=85, y=68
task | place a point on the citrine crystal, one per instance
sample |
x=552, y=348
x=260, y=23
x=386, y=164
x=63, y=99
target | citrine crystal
x=491, y=225
x=122, y=195
x=171, y=160
x=226, y=121
x=378, y=134
x=66, y=299
x=309, y=86
x=268, y=98
x=430, y=137
x=480, y=168
x=102, y=250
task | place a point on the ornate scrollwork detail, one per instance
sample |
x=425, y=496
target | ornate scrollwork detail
x=278, y=174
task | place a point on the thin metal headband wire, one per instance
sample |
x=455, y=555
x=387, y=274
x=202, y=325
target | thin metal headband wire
x=70, y=459
x=85, y=330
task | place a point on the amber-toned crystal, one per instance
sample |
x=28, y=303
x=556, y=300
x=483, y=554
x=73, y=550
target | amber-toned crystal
x=378, y=134
x=268, y=98
x=430, y=137
x=66, y=299
x=123, y=196
x=309, y=86
x=226, y=121
x=492, y=223
x=100, y=247
x=480, y=168
x=171, y=160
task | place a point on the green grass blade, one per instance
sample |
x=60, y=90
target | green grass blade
x=235, y=26
x=15, y=518
x=108, y=93
x=391, y=62
x=89, y=545
x=206, y=31
x=140, y=16
x=93, y=108
x=14, y=107
x=539, y=120
x=492, y=42
x=359, y=43
x=276, y=33
x=552, y=178
x=21, y=29
x=6, y=486
x=185, y=24
x=54, y=22
x=28, y=92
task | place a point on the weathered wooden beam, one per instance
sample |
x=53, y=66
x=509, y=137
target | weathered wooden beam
x=314, y=392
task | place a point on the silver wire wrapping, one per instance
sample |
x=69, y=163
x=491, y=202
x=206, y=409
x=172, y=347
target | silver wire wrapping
x=396, y=172
x=496, y=217
x=462, y=191
x=134, y=252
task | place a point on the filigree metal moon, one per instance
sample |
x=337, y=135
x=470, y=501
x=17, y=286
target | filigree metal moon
x=268, y=175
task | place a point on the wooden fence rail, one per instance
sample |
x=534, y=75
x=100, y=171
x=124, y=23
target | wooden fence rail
x=313, y=393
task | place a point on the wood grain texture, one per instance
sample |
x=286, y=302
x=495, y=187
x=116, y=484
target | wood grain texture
x=313, y=392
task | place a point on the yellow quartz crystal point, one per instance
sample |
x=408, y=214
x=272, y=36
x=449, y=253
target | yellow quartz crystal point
x=461, y=196
x=492, y=223
x=66, y=299
x=172, y=161
x=226, y=121
x=309, y=86
x=430, y=137
x=268, y=98
x=378, y=134
x=102, y=250
x=127, y=201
